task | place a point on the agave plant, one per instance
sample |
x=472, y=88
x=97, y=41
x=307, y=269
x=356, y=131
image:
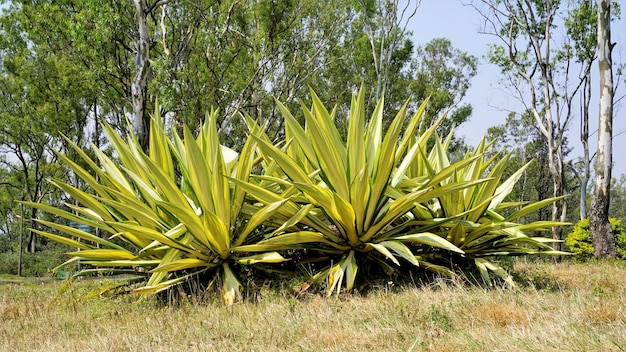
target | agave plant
x=171, y=214
x=476, y=222
x=354, y=206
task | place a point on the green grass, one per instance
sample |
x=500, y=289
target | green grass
x=563, y=307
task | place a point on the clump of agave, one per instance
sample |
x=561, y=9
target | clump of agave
x=352, y=186
x=172, y=227
x=191, y=206
x=473, y=218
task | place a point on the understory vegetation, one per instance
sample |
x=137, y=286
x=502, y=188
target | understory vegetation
x=345, y=209
x=580, y=243
x=562, y=307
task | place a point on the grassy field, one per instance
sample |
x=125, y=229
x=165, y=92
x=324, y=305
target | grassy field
x=563, y=307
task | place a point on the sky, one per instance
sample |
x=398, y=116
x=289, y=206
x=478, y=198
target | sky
x=489, y=99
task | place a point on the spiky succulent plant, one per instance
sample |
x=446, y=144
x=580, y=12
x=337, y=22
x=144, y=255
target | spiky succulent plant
x=168, y=215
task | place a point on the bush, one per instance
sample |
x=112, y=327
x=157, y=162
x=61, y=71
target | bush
x=580, y=242
x=33, y=264
x=373, y=202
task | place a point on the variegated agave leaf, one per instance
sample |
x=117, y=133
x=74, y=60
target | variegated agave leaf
x=358, y=206
x=474, y=224
x=168, y=228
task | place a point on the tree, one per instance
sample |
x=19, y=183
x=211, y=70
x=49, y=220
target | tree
x=442, y=73
x=139, y=86
x=581, y=25
x=600, y=228
x=522, y=139
x=581, y=29
x=385, y=25
x=538, y=73
x=239, y=56
x=42, y=92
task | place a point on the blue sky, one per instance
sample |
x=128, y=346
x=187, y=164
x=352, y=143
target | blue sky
x=460, y=24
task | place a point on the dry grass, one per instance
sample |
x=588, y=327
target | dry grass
x=564, y=307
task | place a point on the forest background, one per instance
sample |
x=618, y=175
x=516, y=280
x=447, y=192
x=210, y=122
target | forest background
x=66, y=66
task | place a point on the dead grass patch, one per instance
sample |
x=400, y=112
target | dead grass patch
x=584, y=312
x=603, y=314
x=502, y=315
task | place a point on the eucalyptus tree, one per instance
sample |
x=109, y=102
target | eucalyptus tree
x=531, y=57
x=443, y=73
x=581, y=29
x=139, y=86
x=385, y=24
x=599, y=226
x=581, y=24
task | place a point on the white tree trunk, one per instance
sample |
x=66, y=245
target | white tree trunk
x=139, y=85
x=601, y=232
x=141, y=123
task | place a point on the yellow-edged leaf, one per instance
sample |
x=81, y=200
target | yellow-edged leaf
x=79, y=233
x=64, y=240
x=122, y=263
x=231, y=287
x=290, y=240
x=257, y=219
x=350, y=268
x=183, y=264
x=384, y=251
x=103, y=254
x=430, y=239
x=356, y=137
x=271, y=257
x=402, y=250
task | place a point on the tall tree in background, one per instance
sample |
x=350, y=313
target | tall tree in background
x=442, y=73
x=386, y=27
x=580, y=24
x=534, y=67
x=34, y=88
x=599, y=226
x=139, y=86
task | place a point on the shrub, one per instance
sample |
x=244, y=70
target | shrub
x=191, y=207
x=579, y=241
x=39, y=263
x=351, y=188
x=389, y=201
x=173, y=208
x=481, y=223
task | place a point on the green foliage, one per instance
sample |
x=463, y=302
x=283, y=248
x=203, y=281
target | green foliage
x=443, y=73
x=525, y=144
x=477, y=219
x=193, y=208
x=39, y=264
x=174, y=209
x=362, y=213
x=618, y=198
x=580, y=242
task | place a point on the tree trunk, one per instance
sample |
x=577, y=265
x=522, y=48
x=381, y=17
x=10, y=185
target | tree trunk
x=139, y=86
x=600, y=228
x=31, y=246
x=584, y=138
